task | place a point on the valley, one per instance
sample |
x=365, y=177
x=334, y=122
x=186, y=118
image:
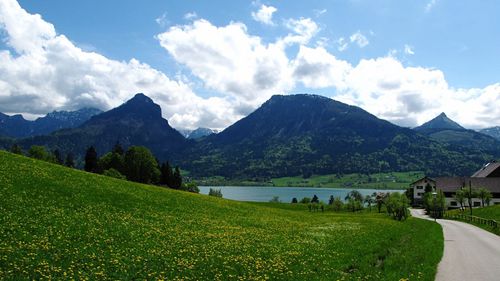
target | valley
x=67, y=224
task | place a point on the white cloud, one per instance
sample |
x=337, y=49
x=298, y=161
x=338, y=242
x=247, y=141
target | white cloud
x=409, y=50
x=316, y=68
x=342, y=44
x=190, y=16
x=162, y=20
x=304, y=29
x=46, y=71
x=430, y=5
x=359, y=39
x=319, y=12
x=264, y=14
x=231, y=61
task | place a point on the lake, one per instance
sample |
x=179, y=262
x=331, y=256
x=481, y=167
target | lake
x=285, y=194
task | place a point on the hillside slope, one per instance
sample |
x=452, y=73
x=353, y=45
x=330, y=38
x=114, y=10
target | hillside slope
x=136, y=122
x=300, y=135
x=63, y=223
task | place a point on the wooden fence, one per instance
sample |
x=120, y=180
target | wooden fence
x=474, y=219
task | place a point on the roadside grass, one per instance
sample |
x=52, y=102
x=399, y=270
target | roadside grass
x=490, y=212
x=60, y=223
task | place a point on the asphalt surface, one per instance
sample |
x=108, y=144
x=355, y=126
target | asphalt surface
x=470, y=253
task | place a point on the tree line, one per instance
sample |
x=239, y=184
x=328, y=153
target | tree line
x=396, y=204
x=136, y=164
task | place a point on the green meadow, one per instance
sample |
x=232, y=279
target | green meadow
x=491, y=212
x=395, y=180
x=60, y=223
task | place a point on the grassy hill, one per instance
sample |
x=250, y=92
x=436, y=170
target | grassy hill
x=62, y=223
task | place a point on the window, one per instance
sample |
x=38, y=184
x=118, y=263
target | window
x=477, y=204
x=453, y=203
x=420, y=187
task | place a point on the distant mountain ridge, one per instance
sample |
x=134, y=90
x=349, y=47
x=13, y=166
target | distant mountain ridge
x=440, y=122
x=197, y=133
x=309, y=134
x=445, y=130
x=287, y=136
x=18, y=127
x=493, y=132
x=136, y=122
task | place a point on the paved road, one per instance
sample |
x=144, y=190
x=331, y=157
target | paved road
x=470, y=253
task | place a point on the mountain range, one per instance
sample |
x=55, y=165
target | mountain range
x=493, y=132
x=136, y=122
x=287, y=136
x=197, y=133
x=445, y=130
x=17, y=127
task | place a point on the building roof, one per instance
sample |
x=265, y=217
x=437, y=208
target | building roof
x=451, y=184
x=421, y=179
x=488, y=170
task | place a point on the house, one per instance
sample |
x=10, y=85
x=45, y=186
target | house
x=419, y=188
x=450, y=185
x=490, y=170
x=488, y=177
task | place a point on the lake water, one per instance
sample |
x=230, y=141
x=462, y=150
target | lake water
x=285, y=194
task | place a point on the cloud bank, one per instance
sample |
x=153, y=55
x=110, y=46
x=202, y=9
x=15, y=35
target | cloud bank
x=42, y=71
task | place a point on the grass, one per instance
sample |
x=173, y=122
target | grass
x=59, y=223
x=491, y=212
x=395, y=180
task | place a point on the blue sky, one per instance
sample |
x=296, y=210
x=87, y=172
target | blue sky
x=459, y=37
x=404, y=61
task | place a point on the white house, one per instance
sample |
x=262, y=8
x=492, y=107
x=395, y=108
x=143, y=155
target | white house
x=419, y=187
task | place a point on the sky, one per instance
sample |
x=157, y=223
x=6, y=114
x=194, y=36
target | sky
x=210, y=63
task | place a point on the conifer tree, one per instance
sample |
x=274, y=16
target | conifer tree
x=166, y=177
x=70, y=160
x=177, y=179
x=118, y=148
x=58, y=157
x=15, y=148
x=91, y=160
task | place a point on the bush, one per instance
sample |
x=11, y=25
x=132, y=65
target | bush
x=337, y=204
x=435, y=204
x=305, y=200
x=294, y=200
x=397, y=205
x=314, y=207
x=114, y=174
x=38, y=152
x=354, y=205
x=276, y=199
x=192, y=187
x=215, y=192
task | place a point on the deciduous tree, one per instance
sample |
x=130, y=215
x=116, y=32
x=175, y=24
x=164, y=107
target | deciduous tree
x=140, y=165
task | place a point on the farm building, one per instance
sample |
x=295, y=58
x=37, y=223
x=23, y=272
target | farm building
x=487, y=177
